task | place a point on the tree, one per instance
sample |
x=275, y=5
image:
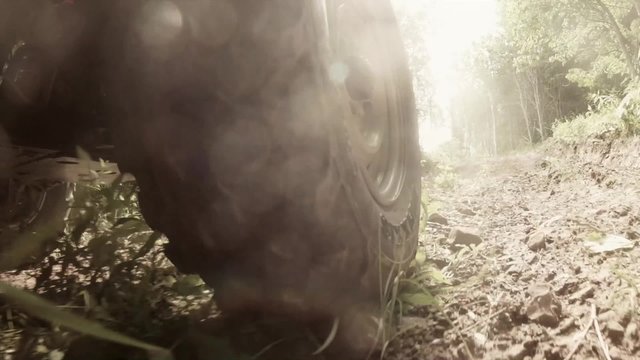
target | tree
x=412, y=18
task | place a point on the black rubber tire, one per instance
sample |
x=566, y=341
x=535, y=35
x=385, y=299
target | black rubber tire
x=225, y=113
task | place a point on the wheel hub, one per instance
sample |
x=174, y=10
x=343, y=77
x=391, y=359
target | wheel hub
x=375, y=125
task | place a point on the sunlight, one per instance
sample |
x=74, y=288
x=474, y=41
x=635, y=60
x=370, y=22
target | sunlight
x=452, y=27
x=455, y=26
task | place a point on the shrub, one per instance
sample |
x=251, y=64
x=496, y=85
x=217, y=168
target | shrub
x=588, y=125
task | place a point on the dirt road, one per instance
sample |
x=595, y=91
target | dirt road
x=554, y=274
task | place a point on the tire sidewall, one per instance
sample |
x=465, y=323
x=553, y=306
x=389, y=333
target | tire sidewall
x=391, y=230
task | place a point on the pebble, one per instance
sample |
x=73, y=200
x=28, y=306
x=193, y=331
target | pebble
x=543, y=307
x=464, y=236
x=438, y=219
x=537, y=241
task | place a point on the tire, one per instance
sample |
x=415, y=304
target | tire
x=237, y=120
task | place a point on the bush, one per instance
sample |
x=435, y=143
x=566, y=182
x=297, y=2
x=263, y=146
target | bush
x=611, y=116
x=109, y=271
x=629, y=110
x=589, y=125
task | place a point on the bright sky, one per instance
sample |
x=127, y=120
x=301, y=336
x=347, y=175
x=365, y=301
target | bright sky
x=454, y=25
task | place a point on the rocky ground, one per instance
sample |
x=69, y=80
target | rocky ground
x=541, y=253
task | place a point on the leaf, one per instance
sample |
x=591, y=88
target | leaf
x=48, y=311
x=608, y=243
x=127, y=220
x=82, y=154
x=124, y=231
x=26, y=245
x=410, y=286
x=419, y=299
x=90, y=301
x=188, y=285
x=421, y=257
x=433, y=275
x=167, y=282
x=97, y=244
x=595, y=236
x=56, y=355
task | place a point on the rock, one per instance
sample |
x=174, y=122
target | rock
x=464, y=236
x=531, y=345
x=553, y=353
x=615, y=353
x=620, y=210
x=479, y=340
x=522, y=351
x=550, y=276
x=565, y=326
x=502, y=322
x=537, y=241
x=615, y=331
x=543, y=164
x=631, y=336
x=466, y=211
x=438, y=219
x=633, y=235
x=583, y=294
x=543, y=307
x=604, y=276
x=569, y=286
x=606, y=316
x=517, y=352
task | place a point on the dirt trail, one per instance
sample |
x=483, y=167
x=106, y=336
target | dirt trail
x=529, y=288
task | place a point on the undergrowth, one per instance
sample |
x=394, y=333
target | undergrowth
x=609, y=116
x=108, y=279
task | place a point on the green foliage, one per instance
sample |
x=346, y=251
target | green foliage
x=423, y=280
x=550, y=60
x=109, y=269
x=589, y=125
x=50, y=312
x=446, y=177
x=628, y=110
x=412, y=19
x=608, y=116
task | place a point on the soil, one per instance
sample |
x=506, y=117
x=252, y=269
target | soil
x=555, y=273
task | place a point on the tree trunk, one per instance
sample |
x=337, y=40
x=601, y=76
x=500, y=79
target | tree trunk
x=512, y=141
x=537, y=101
x=494, y=125
x=523, y=106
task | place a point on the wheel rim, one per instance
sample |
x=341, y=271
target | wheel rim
x=375, y=125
